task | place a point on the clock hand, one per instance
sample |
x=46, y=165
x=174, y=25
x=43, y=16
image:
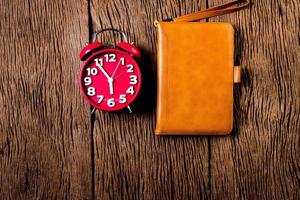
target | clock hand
x=111, y=85
x=118, y=76
x=109, y=79
x=112, y=76
x=103, y=71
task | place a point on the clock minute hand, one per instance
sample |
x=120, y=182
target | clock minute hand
x=109, y=79
x=103, y=71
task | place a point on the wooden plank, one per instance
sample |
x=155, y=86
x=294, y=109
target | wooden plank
x=261, y=159
x=44, y=123
x=130, y=162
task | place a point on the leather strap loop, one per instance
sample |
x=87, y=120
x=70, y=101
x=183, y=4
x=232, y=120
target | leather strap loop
x=214, y=11
x=237, y=74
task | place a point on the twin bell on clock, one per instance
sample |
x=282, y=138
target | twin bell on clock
x=110, y=78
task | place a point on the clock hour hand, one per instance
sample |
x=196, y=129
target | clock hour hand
x=111, y=85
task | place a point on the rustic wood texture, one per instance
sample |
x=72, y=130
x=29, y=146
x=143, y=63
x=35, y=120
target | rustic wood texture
x=261, y=159
x=130, y=161
x=44, y=123
x=52, y=148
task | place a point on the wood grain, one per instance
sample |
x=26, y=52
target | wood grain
x=52, y=148
x=261, y=159
x=44, y=123
x=130, y=162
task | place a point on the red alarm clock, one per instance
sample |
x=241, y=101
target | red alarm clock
x=110, y=78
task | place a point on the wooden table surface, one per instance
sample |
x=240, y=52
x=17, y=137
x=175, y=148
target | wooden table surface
x=51, y=147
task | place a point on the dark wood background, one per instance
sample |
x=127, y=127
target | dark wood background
x=51, y=147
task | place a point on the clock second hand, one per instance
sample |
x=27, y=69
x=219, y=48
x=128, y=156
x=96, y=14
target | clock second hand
x=111, y=79
x=112, y=76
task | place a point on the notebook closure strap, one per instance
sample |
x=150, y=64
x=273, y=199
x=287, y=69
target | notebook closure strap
x=214, y=11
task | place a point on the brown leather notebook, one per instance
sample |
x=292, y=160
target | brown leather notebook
x=195, y=78
x=196, y=73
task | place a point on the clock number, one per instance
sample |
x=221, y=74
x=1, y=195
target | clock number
x=133, y=80
x=111, y=102
x=130, y=68
x=122, y=61
x=110, y=57
x=122, y=98
x=87, y=80
x=92, y=71
x=99, y=62
x=91, y=91
x=100, y=98
x=130, y=90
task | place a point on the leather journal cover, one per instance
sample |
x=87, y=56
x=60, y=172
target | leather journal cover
x=195, y=78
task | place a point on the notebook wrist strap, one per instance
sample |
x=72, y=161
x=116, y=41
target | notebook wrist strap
x=214, y=11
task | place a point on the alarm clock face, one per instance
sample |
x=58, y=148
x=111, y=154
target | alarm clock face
x=110, y=80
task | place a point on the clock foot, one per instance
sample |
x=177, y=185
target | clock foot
x=94, y=110
x=130, y=111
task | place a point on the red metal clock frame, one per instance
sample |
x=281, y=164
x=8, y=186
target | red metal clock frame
x=111, y=94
